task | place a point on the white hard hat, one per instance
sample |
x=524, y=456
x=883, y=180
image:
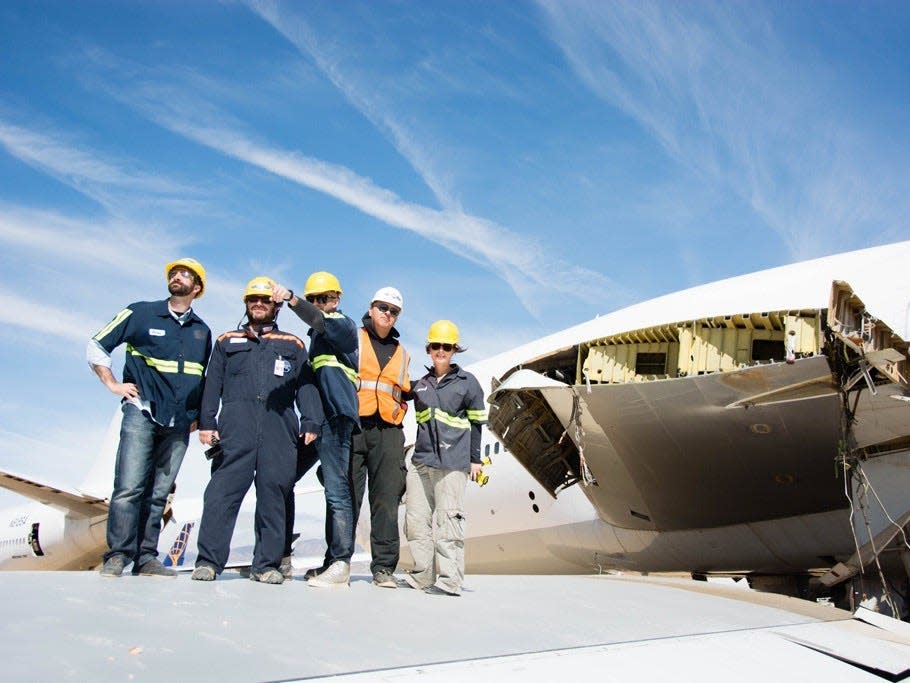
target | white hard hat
x=389, y=295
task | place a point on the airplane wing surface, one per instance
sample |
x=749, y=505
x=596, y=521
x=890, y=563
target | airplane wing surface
x=502, y=628
x=72, y=502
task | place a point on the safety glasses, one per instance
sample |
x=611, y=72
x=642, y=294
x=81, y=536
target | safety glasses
x=321, y=298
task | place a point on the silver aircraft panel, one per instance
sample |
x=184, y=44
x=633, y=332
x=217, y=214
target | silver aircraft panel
x=702, y=454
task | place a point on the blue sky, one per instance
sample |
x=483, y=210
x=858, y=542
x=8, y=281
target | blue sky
x=517, y=167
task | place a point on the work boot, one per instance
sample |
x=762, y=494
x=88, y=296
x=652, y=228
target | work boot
x=436, y=590
x=113, y=566
x=338, y=575
x=154, y=568
x=411, y=581
x=270, y=575
x=203, y=573
x=286, y=568
x=315, y=571
x=384, y=579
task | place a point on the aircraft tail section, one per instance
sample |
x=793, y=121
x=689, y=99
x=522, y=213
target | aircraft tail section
x=176, y=555
x=100, y=478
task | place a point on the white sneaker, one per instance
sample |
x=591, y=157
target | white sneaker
x=338, y=575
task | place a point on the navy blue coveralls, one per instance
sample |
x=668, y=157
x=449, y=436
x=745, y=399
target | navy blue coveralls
x=258, y=381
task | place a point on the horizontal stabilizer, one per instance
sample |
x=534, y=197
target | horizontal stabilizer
x=71, y=502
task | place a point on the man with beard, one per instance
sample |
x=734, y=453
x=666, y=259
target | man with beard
x=167, y=348
x=257, y=373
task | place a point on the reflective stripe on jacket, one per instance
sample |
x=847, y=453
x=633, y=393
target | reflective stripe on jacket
x=380, y=388
x=164, y=359
x=333, y=356
x=449, y=413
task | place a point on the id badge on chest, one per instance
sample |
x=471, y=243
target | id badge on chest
x=282, y=367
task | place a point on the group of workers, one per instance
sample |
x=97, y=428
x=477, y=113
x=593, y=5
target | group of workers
x=267, y=408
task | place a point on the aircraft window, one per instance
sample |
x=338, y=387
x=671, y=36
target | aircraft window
x=535, y=508
x=767, y=349
x=496, y=447
x=486, y=449
x=651, y=364
x=531, y=495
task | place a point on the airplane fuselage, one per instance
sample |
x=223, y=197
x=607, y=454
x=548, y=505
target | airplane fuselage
x=39, y=537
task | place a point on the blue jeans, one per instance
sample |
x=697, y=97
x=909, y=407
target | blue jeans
x=148, y=459
x=334, y=448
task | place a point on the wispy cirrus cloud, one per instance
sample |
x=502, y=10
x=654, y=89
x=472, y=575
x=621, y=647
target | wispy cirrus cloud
x=113, y=183
x=82, y=270
x=714, y=85
x=521, y=262
x=96, y=258
x=298, y=32
x=58, y=321
x=72, y=264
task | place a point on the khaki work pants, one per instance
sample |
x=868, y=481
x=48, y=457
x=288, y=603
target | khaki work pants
x=434, y=525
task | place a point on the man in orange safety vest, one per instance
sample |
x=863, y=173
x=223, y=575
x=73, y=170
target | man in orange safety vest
x=378, y=450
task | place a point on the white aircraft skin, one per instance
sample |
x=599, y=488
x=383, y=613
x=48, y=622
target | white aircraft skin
x=62, y=528
x=514, y=524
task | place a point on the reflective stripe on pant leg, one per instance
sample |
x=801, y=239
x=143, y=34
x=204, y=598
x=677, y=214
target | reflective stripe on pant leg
x=419, y=523
x=450, y=525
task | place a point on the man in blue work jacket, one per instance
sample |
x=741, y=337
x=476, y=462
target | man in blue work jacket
x=257, y=373
x=333, y=355
x=167, y=348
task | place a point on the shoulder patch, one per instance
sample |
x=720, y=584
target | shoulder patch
x=285, y=336
x=233, y=334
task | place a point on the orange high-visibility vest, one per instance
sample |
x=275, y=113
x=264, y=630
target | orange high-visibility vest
x=380, y=390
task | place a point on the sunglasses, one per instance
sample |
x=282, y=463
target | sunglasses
x=391, y=310
x=435, y=346
x=321, y=298
x=253, y=298
x=182, y=272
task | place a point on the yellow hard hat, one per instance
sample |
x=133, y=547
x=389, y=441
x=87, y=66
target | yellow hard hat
x=258, y=286
x=193, y=265
x=444, y=332
x=320, y=282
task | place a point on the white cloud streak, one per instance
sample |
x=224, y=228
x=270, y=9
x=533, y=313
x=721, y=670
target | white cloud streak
x=110, y=182
x=93, y=267
x=49, y=320
x=716, y=88
x=299, y=34
x=521, y=262
x=73, y=164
